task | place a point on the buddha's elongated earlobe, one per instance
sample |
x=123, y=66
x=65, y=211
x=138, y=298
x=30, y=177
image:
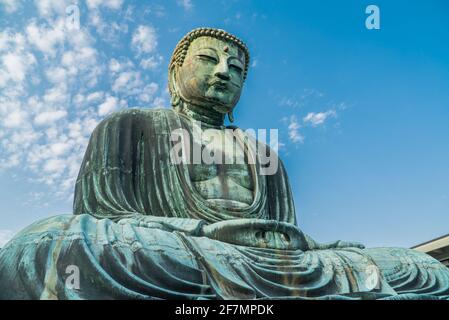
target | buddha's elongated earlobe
x=231, y=116
x=174, y=99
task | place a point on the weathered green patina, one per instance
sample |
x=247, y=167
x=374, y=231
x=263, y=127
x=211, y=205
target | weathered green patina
x=145, y=227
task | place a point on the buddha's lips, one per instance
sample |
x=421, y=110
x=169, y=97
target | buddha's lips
x=219, y=84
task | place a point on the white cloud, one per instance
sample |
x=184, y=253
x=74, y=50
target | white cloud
x=186, y=4
x=59, y=148
x=254, y=63
x=15, y=61
x=277, y=145
x=124, y=79
x=151, y=63
x=290, y=102
x=56, y=94
x=56, y=74
x=111, y=4
x=94, y=97
x=308, y=97
x=5, y=236
x=10, y=5
x=159, y=102
x=114, y=65
x=47, y=154
x=56, y=85
x=109, y=31
x=117, y=66
x=318, y=118
x=144, y=39
x=108, y=106
x=293, y=130
x=16, y=65
x=78, y=100
x=48, y=8
x=46, y=39
x=127, y=82
x=55, y=166
x=148, y=92
x=14, y=119
x=48, y=117
x=80, y=59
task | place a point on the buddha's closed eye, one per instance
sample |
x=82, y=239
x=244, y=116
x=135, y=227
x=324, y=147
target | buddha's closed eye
x=208, y=58
x=236, y=68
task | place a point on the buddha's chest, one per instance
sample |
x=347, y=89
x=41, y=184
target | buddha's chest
x=223, y=172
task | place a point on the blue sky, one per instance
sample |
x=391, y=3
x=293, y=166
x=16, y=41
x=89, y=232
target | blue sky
x=363, y=115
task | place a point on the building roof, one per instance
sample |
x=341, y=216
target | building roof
x=434, y=244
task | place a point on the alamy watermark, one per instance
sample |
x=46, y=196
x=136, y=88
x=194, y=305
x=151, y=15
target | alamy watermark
x=72, y=282
x=72, y=18
x=226, y=146
x=372, y=22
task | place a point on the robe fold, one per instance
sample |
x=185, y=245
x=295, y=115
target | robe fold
x=127, y=169
x=127, y=174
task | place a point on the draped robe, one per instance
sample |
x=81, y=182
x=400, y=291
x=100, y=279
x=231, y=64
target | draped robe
x=135, y=234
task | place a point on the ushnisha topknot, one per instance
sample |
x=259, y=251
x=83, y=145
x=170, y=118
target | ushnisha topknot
x=181, y=48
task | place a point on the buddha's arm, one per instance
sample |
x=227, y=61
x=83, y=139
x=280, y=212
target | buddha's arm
x=188, y=226
x=268, y=234
x=246, y=232
x=313, y=245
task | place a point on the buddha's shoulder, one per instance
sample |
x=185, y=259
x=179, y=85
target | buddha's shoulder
x=141, y=113
x=135, y=116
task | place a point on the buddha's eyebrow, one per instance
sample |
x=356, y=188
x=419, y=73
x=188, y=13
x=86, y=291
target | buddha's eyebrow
x=216, y=51
x=208, y=48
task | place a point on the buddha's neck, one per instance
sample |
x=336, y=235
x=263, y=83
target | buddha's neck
x=207, y=116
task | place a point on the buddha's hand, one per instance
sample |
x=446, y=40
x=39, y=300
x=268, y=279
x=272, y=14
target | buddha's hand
x=257, y=233
x=348, y=244
x=184, y=225
x=142, y=222
x=339, y=244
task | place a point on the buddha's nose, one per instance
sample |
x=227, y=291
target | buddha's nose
x=222, y=71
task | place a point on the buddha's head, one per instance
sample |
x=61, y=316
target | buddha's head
x=207, y=69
